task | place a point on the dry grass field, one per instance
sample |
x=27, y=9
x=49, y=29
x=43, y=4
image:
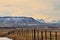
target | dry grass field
x=30, y=34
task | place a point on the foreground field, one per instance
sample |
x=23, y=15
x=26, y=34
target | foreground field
x=31, y=34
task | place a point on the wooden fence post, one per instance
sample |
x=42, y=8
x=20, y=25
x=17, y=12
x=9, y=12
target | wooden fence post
x=50, y=35
x=37, y=34
x=26, y=31
x=34, y=34
x=41, y=35
x=55, y=35
x=45, y=35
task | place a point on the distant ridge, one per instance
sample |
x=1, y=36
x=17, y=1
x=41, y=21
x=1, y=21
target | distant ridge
x=17, y=22
x=14, y=17
x=20, y=19
x=9, y=21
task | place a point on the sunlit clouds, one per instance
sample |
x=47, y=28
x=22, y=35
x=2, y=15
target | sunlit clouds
x=45, y=9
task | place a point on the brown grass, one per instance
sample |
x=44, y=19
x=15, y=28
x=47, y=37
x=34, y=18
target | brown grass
x=28, y=34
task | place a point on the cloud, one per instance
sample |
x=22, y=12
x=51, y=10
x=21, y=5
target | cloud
x=57, y=5
x=5, y=13
x=45, y=9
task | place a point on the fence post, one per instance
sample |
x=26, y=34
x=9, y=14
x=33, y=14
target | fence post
x=50, y=36
x=55, y=35
x=41, y=35
x=34, y=34
x=22, y=31
x=38, y=34
x=45, y=35
x=26, y=31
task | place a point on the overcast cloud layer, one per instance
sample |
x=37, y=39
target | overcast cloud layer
x=45, y=9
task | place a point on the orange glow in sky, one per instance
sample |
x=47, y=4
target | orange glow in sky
x=45, y=9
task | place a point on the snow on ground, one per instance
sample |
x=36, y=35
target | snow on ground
x=5, y=38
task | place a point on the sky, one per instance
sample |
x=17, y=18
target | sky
x=40, y=9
